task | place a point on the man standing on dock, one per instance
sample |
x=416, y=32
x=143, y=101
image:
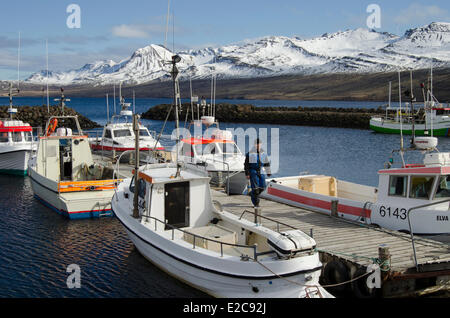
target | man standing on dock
x=256, y=166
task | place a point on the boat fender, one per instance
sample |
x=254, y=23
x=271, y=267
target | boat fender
x=359, y=286
x=334, y=273
x=52, y=126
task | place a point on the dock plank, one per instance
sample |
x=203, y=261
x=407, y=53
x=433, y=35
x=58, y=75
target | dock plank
x=348, y=240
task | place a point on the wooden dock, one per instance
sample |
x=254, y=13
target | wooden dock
x=357, y=245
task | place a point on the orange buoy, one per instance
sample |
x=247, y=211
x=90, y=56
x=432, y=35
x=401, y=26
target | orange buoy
x=52, y=126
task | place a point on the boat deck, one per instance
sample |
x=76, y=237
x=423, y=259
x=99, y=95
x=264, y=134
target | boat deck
x=353, y=242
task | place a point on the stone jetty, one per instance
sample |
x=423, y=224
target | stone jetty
x=37, y=116
x=302, y=116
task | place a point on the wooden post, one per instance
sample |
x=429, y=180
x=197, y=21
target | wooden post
x=257, y=213
x=384, y=257
x=136, y=166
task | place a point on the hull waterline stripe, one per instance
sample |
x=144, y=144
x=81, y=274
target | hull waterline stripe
x=342, y=208
x=214, y=271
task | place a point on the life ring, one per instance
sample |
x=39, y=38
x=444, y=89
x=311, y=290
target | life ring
x=52, y=126
x=360, y=288
x=335, y=273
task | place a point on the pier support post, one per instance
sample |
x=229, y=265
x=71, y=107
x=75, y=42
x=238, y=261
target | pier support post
x=257, y=213
x=384, y=257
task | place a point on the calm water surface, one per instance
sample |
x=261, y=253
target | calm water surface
x=37, y=245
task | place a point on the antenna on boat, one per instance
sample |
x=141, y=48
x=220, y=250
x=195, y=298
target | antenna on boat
x=114, y=89
x=134, y=102
x=62, y=100
x=48, y=98
x=410, y=94
x=18, y=64
x=12, y=92
x=107, y=109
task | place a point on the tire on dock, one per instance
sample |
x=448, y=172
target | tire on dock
x=336, y=272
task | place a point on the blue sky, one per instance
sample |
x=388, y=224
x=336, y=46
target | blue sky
x=114, y=29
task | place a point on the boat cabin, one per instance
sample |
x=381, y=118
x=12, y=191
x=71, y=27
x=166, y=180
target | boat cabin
x=15, y=131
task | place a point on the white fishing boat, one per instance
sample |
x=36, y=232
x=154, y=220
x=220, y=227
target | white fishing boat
x=218, y=154
x=171, y=219
x=118, y=134
x=16, y=142
x=433, y=119
x=413, y=197
x=64, y=176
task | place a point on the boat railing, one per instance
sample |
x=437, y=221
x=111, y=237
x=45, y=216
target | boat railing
x=214, y=160
x=196, y=238
x=411, y=229
x=257, y=215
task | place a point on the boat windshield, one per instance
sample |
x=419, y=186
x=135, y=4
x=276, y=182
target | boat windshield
x=122, y=133
x=420, y=187
x=229, y=148
x=205, y=149
x=144, y=132
x=443, y=187
x=17, y=136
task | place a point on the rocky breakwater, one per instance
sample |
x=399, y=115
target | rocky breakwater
x=301, y=116
x=37, y=116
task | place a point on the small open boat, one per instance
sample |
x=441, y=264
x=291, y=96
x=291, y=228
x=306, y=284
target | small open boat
x=424, y=187
x=64, y=176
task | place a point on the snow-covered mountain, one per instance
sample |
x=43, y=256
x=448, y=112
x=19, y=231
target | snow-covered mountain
x=359, y=50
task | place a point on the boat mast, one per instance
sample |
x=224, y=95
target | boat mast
x=107, y=109
x=413, y=141
x=401, y=124
x=176, y=98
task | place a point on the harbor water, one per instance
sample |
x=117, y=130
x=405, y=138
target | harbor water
x=37, y=245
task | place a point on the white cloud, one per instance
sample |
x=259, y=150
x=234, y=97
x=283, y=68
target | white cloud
x=417, y=14
x=136, y=30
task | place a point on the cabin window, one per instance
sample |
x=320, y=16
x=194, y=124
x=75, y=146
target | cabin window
x=142, y=188
x=108, y=134
x=187, y=150
x=443, y=187
x=17, y=136
x=4, y=137
x=132, y=185
x=122, y=133
x=143, y=132
x=28, y=136
x=421, y=187
x=397, y=185
x=209, y=149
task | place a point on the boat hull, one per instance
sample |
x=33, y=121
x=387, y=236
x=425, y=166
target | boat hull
x=14, y=162
x=220, y=276
x=389, y=127
x=75, y=205
x=347, y=209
